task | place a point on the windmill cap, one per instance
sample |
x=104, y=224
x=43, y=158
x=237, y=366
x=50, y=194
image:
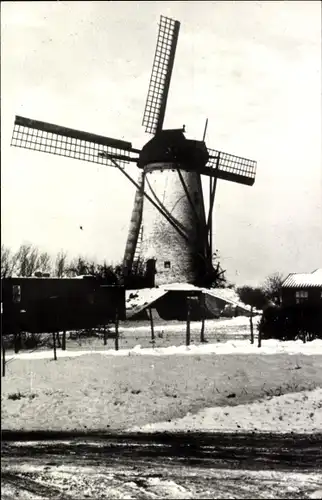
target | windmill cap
x=171, y=146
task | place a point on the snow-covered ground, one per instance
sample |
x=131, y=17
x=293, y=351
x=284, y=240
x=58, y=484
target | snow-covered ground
x=224, y=385
x=99, y=392
x=231, y=323
x=269, y=347
x=300, y=413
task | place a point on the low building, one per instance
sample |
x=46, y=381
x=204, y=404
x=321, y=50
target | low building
x=170, y=302
x=305, y=288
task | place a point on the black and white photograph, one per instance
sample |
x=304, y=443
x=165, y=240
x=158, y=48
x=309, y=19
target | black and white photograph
x=161, y=249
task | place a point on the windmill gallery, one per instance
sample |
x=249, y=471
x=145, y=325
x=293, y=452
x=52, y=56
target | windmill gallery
x=169, y=230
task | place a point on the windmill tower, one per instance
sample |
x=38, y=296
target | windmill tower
x=169, y=222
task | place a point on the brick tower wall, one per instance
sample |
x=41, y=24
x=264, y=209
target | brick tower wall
x=175, y=257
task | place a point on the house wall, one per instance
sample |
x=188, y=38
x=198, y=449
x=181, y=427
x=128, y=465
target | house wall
x=314, y=297
x=57, y=304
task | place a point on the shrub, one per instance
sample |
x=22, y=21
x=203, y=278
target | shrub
x=291, y=323
x=33, y=340
x=19, y=395
x=26, y=341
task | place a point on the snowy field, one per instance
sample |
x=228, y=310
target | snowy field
x=230, y=347
x=269, y=347
x=224, y=385
x=297, y=412
x=224, y=336
x=223, y=389
x=133, y=333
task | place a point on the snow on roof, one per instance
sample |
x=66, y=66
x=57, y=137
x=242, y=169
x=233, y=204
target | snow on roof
x=303, y=280
x=137, y=300
x=228, y=295
x=182, y=287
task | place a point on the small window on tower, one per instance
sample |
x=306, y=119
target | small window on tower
x=167, y=264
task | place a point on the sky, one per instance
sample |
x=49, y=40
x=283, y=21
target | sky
x=252, y=68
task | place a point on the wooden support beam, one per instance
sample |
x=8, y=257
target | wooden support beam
x=116, y=330
x=54, y=341
x=3, y=356
x=203, y=314
x=17, y=341
x=188, y=333
x=212, y=192
x=152, y=325
x=63, y=344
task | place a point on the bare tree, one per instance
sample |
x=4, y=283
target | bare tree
x=212, y=274
x=113, y=274
x=8, y=262
x=77, y=267
x=27, y=260
x=92, y=268
x=5, y=261
x=44, y=262
x=60, y=264
x=272, y=287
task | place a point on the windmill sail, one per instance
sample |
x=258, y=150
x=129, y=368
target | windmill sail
x=62, y=141
x=161, y=75
x=177, y=235
x=230, y=167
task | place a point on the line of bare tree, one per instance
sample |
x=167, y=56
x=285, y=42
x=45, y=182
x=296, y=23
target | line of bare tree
x=28, y=260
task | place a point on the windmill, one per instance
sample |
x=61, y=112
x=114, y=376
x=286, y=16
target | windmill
x=169, y=226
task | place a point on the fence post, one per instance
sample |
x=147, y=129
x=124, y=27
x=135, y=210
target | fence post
x=63, y=345
x=251, y=326
x=55, y=351
x=188, y=322
x=152, y=325
x=116, y=330
x=203, y=313
x=3, y=357
x=259, y=337
x=17, y=341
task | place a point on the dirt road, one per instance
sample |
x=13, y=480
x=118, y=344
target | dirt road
x=59, y=466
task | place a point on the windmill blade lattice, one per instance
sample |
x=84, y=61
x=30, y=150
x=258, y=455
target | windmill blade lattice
x=62, y=141
x=161, y=74
x=232, y=168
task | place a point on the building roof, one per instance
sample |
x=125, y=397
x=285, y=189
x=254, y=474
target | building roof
x=229, y=296
x=304, y=280
x=138, y=300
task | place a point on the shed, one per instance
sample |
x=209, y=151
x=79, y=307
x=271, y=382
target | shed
x=302, y=288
